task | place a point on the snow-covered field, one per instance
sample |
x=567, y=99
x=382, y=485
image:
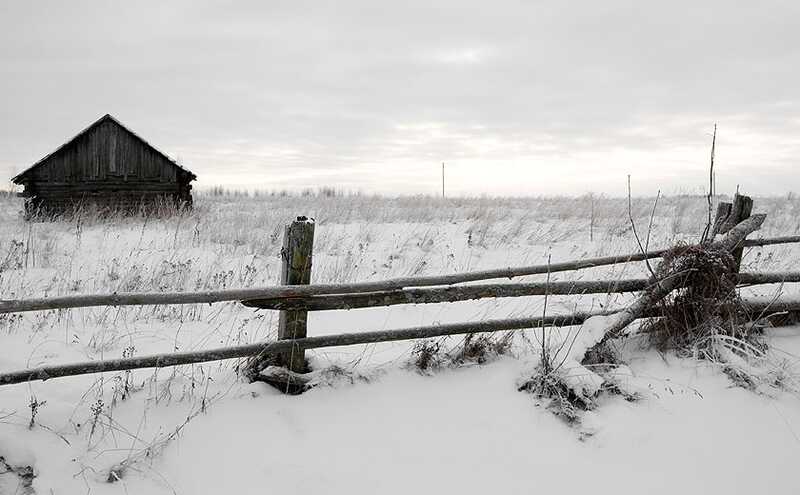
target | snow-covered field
x=201, y=429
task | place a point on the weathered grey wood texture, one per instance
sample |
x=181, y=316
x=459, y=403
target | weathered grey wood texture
x=743, y=206
x=262, y=350
x=723, y=210
x=108, y=165
x=446, y=294
x=291, y=292
x=298, y=245
x=470, y=292
x=756, y=308
x=729, y=215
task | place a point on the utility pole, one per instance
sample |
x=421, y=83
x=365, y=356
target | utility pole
x=442, y=180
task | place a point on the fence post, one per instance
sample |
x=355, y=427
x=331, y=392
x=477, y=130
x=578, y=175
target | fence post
x=723, y=211
x=742, y=208
x=298, y=244
x=728, y=216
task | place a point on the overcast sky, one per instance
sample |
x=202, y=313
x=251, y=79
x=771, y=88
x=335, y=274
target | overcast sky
x=522, y=97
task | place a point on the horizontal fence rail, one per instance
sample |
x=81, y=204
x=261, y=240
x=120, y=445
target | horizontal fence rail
x=770, y=241
x=336, y=340
x=288, y=291
x=297, y=291
x=447, y=294
x=756, y=308
x=295, y=296
x=471, y=292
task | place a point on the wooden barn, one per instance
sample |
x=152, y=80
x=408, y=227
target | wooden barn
x=108, y=166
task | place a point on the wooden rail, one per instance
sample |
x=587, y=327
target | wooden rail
x=284, y=346
x=446, y=294
x=471, y=292
x=214, y=296
x=754, y=307
x=296, y=291
x=295, y=300
x=771, y=241
x=289, y=300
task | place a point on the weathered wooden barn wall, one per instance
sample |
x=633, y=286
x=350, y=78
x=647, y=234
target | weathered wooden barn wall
x=109, y=166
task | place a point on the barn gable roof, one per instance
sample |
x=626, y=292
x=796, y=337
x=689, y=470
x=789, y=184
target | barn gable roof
x=105, y=118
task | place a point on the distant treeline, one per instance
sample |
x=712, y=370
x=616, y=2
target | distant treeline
x=327, y=192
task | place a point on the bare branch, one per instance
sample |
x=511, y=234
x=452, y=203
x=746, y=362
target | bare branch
x=635, y=235
x=708, y=230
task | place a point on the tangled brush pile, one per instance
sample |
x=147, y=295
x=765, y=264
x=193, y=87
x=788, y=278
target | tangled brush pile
x=706, y=304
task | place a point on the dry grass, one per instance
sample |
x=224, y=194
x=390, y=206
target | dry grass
x=233, y=240
x=432, y=355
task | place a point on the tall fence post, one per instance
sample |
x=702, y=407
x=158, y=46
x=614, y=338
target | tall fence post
x=298, y=244
x=728, y=216
x=723, y=211
x=742, y=208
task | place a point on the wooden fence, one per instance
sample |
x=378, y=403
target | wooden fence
x=296, y=296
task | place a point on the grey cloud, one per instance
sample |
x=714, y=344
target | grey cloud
x=327, y=90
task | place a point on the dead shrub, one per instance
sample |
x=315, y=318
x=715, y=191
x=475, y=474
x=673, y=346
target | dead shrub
x=480, y=348
x=705, y=305
x=705, y=319
x=427, y=355
x=557, y=391
x=26, y=475
x=561, y=399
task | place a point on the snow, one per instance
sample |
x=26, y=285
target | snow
x=379, y=426
x=575, y=375
x=591, y=332
x=469, y=431
x=16, y=451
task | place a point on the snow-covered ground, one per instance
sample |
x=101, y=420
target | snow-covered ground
x=200, y=429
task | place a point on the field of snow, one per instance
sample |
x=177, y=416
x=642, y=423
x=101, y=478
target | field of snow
x=381, y=426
